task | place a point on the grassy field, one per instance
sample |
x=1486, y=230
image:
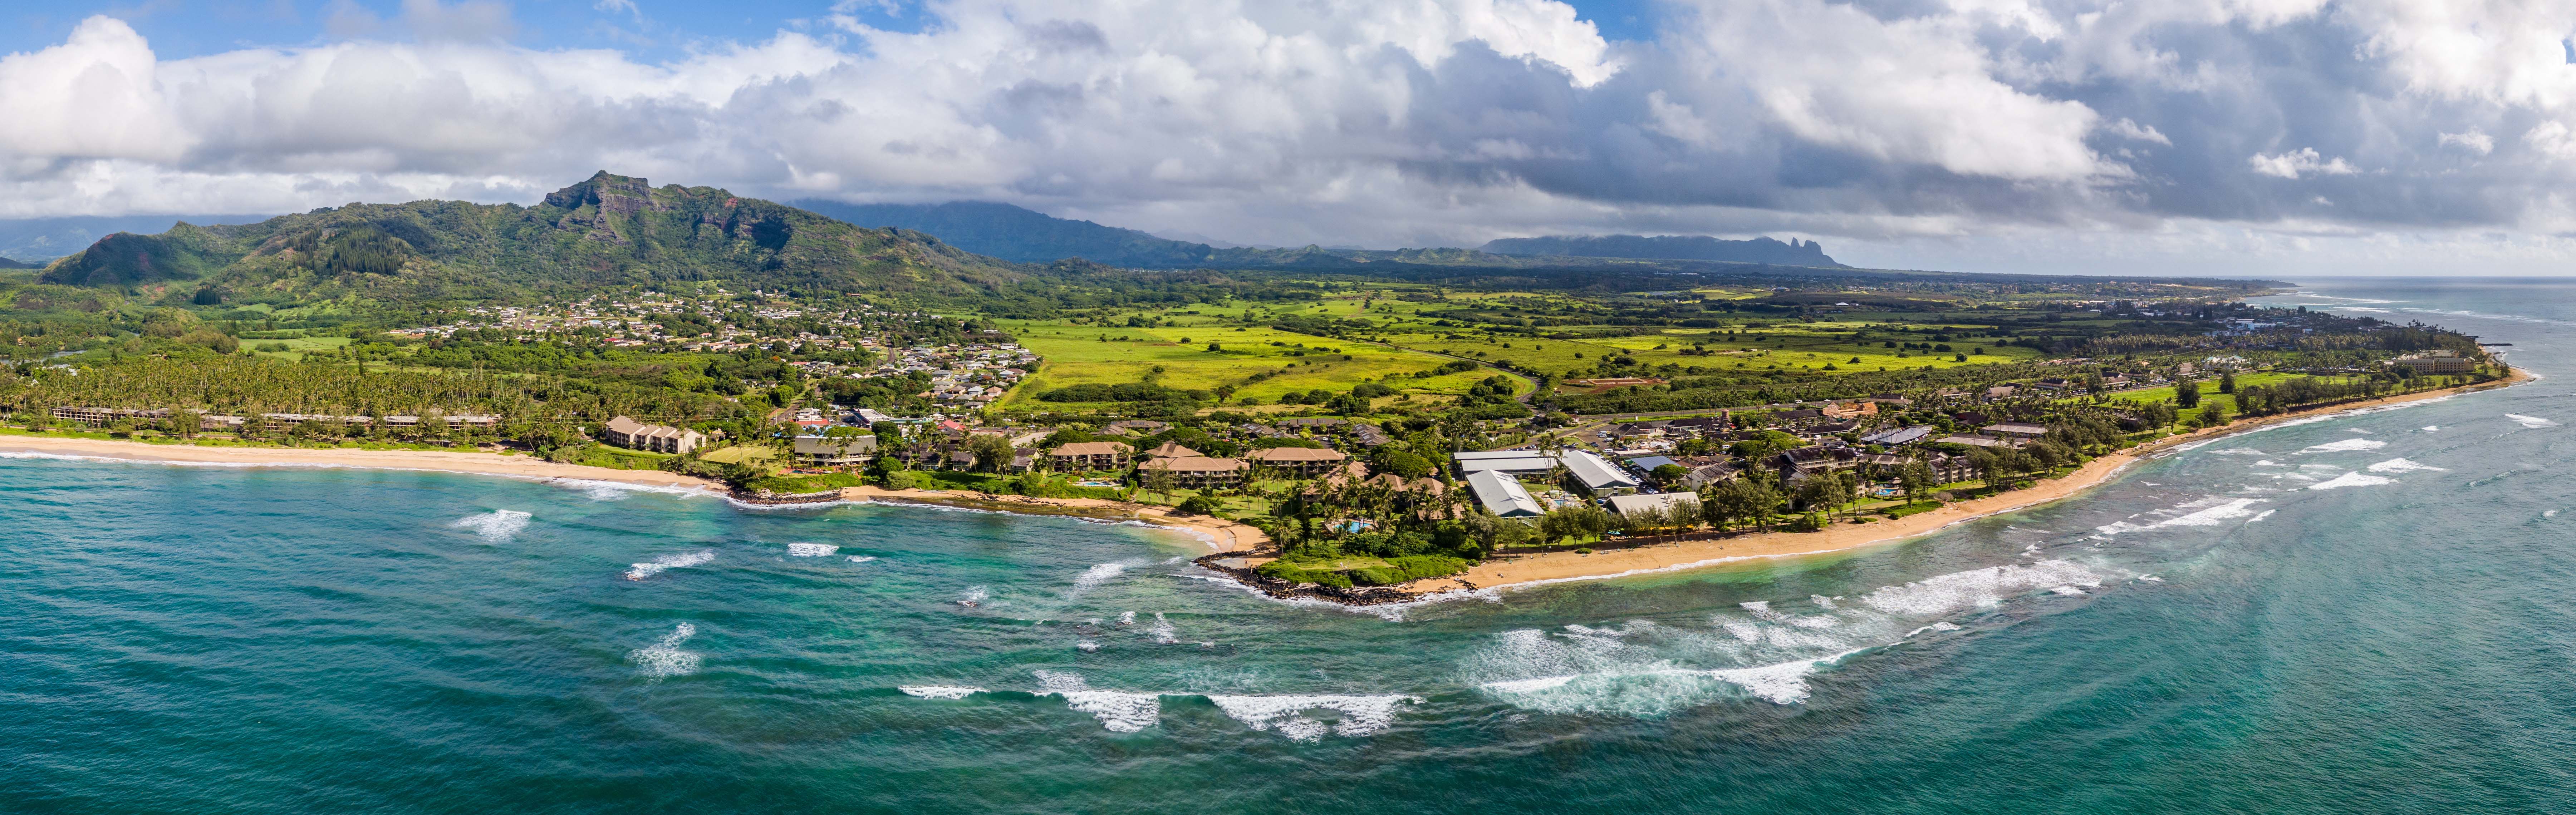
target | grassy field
x=2209, y=394
x=295, y=348
x=1081, y=354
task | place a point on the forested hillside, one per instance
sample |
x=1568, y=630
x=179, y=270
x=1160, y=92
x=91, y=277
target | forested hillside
x=608, y=231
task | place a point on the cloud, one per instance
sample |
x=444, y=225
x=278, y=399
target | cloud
x=1895, y=126
x=2293, y=163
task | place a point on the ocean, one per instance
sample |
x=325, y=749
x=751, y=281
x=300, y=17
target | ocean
x=2370, y=612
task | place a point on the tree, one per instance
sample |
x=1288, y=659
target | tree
x=1670, y=473
x=1917, y=478
x=1223, y=392
x=1399, y=462
x=2227, y=381
x=2187, y=393
x=991, y=452
x=2213, y=415
x=185, y=424
x=1158, y=480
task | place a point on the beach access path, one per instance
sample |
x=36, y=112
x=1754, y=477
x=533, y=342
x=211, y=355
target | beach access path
x=1553, y=567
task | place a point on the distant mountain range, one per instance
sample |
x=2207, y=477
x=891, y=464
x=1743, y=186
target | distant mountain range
x=609, y=230
x=1668, y=247
x=37, y=240
x=1017, y=234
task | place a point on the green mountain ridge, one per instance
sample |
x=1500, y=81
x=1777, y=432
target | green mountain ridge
x=609, y=230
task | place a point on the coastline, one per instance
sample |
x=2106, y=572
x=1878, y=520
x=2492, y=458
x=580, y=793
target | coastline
x=429, y=460
x=1227, y=536
x=1559, y=567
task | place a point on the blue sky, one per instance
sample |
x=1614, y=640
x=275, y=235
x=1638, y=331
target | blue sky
x=652, y=30
x=2228, y=136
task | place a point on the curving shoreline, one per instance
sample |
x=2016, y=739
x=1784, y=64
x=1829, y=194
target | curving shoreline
x=1227, y=536
x=1561, y=567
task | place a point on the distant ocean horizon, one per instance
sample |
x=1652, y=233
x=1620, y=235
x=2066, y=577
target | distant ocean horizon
x=2364, y=612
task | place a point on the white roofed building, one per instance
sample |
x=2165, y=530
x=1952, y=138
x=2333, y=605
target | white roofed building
x=1503, y=495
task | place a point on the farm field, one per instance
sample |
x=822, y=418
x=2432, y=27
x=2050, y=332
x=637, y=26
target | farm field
x=1082, y=354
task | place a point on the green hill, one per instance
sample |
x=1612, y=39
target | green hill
x=607, y=231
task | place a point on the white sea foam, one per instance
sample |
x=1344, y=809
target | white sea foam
x=1086, y=646
x=664, y=563
x=2351, y=480
x=2549, y=513
x=1944, y=625
x=2530, y=421
x=2399, y=465
x=1360, y=715
x=1162, y=631
x=861, y=558
x=618, y=490
x=1660, y=689
x=938, y=691
x=2238, y=451
x=811, y=549
x=1118, y=712
x=2347, y=445
x=2258, y=517
x=664, y=658
x=496, y=526
x=1096, y=575
x=2432, y=427
x=2205, y=513
x=1976, y=588
x=973, y=595
x=1126, y=618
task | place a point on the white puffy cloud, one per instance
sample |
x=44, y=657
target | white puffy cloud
x=2293, y=163
x=1885, y=125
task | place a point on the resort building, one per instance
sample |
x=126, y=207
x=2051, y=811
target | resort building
x=1090, y=455
x=1303, y=461
x=1199, y=471
x=1137, y=427
x=2435, y=363
x=1503, y=495
x=1173, y=449
x=2015, y=429
x=1972, y=440
x=830, y=451
x=1898, y=436
x=635, y=435
x=1598, y=474
x=1630, y=505
x=1507, y=462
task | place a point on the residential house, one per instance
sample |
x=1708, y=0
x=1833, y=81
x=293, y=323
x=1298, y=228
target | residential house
x=829, y=451
x=1369, y=436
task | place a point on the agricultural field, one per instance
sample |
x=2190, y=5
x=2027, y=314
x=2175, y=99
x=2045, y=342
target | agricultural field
x=1082, y=354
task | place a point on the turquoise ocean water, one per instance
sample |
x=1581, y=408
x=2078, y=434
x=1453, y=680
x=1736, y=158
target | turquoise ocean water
x=2361, y=613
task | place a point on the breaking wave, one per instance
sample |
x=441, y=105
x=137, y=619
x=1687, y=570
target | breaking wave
x=496, y=525
x=2204, y=513
x=2399, y=465
x=1118, y=712
x=2530, y=421
x=2351, y=480
x=811, y=549
x=938, y=691
x=665, y=563
x=2347, y=445
x=1647, y=669
x=1360, y=715
x=1092, y=577
x=664, y=658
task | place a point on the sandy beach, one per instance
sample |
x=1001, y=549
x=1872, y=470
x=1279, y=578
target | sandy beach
x=1844, y=537
x=1225, y=535
x=433, y=460
x=1231, y=536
